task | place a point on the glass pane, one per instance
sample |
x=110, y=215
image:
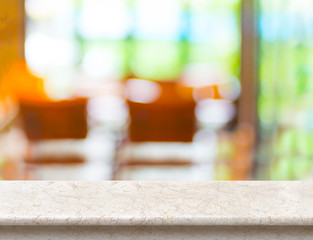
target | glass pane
x=286, y=85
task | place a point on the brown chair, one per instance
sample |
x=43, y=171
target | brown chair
x=169, y=118
x=54, y=119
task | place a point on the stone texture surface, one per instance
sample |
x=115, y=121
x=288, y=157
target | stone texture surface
x=156, y=204
x=157, y=232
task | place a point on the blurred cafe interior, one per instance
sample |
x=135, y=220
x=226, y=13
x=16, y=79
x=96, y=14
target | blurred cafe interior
x=189, y=90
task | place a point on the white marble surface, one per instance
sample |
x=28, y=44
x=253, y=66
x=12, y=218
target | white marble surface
x=156, y=232
x=156, y=203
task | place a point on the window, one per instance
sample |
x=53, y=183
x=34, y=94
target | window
x=182, y=89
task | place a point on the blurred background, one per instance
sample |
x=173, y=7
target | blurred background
x=156, y=89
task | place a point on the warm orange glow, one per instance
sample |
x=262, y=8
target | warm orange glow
x=21, y=84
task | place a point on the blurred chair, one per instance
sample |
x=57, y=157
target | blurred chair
x=160, y=111
x=64, y=119
x=162, y=123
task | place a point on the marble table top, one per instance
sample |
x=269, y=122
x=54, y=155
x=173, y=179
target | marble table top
x=156, y=203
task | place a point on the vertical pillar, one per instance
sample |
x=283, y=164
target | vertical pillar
x=247, y=108
x=246, y=134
